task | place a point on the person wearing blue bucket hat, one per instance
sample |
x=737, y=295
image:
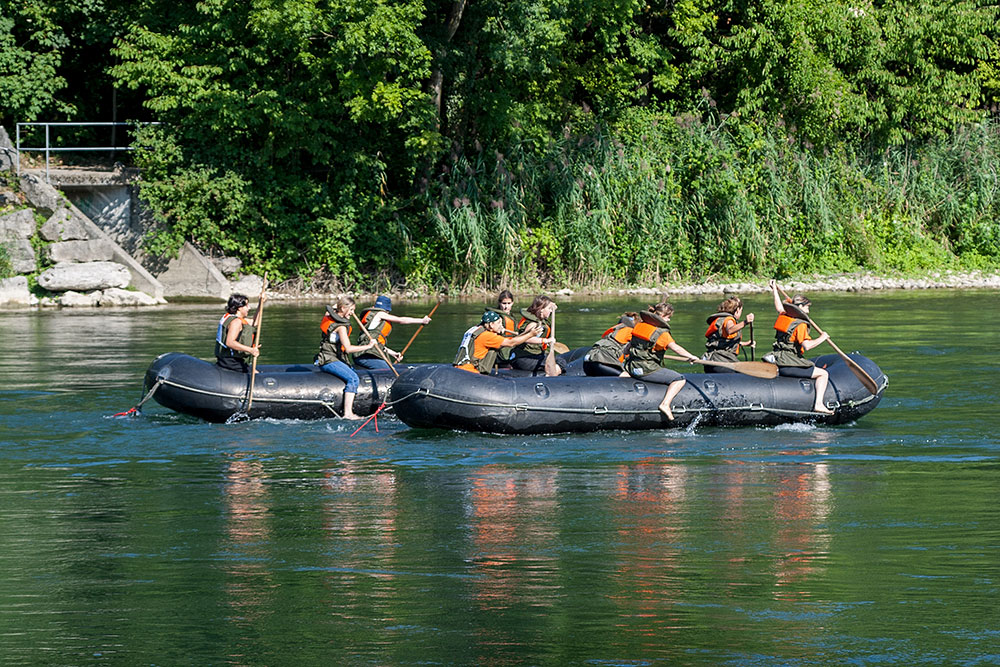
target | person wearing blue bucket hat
x=378, y=321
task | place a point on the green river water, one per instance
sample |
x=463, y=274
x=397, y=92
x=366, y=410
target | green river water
x=163, y=540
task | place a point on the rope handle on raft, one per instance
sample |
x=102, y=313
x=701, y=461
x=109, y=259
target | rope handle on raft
x=134, y=411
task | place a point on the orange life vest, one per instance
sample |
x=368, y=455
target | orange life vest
x=716, y=339
x=784, y=327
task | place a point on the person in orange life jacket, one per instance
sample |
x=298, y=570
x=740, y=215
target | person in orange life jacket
x=606, y=356
x=723, y=338
x=335, y=349
x=792, y=341
x=530, y=355
x=378, y=322
x=505, y=302
x=644, y=358
x=234, y=336
x=481, y=343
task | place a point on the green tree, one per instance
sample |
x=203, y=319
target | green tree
x=31, y=47
x=312, y=116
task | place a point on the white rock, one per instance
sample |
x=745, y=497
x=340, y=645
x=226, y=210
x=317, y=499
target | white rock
x=22, y=255
x=77, y=300
x=227, y=265
x=249, y=285
x=17, y=225
x=119, y=297
x=14, y=291
x=95, y=250
x=64, y=225
x=84, y=277
x=41, y=195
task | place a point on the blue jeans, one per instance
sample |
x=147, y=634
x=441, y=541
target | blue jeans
x=371, y=363
x=345, y=373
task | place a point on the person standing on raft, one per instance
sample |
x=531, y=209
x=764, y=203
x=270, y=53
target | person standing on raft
x=792, y=341
x=335, y=350
x=234, y=336
x=530, y=355
x=481, y=344
x=723, y=338
x=606, y=356
x=644, y=360
x=378, y=322
x=505, y=302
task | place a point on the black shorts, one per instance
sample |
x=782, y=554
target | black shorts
x=660, y=376
x=598, y=369
x=232, y=364
x=535, y=362
x=796, y=371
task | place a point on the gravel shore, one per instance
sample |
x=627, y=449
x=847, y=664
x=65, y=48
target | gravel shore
x=847, y=282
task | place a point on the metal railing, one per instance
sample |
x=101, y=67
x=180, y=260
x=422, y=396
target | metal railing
x=48, y=148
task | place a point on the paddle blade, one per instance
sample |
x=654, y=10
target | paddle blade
x=860, y=373
x=758, y=369
x=560, y=348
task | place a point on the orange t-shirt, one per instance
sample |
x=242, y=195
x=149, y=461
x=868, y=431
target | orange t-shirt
x=800, y=334
x=484, y=342
x=663, y=341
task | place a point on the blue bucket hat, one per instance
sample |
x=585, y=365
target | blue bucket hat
x=384, y=303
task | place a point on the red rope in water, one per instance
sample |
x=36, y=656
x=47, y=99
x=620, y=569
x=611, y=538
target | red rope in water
x=374, y=416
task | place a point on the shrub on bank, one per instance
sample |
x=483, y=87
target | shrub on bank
x=683, y=198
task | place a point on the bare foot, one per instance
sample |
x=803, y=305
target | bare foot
x=665, y=409
x=353, y=417
x=823, y=410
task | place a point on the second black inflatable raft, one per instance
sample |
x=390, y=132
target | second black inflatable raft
x=445, y=397
x=293, y=391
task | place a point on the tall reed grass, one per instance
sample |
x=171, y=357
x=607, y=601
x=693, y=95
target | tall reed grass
x=686, y=198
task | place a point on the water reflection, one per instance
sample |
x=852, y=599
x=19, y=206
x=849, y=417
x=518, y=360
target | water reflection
x=648, y=506
x=248, y=543
x=512, y=515
x=802, y=506
x=360, y=520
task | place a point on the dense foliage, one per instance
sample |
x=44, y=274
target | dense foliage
x=447, y=142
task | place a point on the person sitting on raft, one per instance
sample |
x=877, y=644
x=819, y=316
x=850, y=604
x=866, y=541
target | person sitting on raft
x=480, y=344
x=650, y=340
x=505, y=302
x=335, y=350
x=530, y=355
x=792, y=341
x=234, y=337
x=723, y=338
x=607, y=356
x=378, y=321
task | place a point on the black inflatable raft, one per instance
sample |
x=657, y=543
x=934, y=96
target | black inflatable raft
x=296, y=391
x=445, y=397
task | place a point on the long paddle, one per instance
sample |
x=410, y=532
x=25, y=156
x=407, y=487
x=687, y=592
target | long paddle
x=758, y=369
x=865, y=379
x=419, y=329
x=255, y=341
x=551, y=367
x=376, y=347
x=751, y=340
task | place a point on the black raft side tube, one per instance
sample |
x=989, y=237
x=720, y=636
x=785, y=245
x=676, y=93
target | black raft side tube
x=452, y=398
x=295, y=391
